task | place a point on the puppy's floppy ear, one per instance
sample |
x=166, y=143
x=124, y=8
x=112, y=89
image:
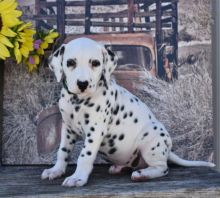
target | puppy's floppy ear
x=55, y=62
x=110, y=62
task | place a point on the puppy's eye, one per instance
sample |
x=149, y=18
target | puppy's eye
x=71, y=63
x=95, y=63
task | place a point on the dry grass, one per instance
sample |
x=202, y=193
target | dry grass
x=24, y=97
x=195, y=18
x=185, y=107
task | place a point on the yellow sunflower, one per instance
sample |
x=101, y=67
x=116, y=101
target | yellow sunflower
x=46, y=41
x=23, y=42
x=8, y=19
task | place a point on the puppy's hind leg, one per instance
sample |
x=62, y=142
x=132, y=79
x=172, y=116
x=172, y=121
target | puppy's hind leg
x=155, y=155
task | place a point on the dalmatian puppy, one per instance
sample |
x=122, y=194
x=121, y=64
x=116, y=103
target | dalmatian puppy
x=111, y=120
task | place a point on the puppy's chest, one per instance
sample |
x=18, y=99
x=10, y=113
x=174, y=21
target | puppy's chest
x=79, y=114
x=72, y=112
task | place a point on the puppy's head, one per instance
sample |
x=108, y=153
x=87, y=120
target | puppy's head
x=83, y=63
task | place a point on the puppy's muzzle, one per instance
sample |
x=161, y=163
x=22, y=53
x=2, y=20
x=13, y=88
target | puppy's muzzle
x=82, y=85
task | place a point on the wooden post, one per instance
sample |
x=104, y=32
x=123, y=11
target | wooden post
x=113, y=28
x=87, y=16
x=106, y=29
x=121, y=28
x=61, y=17
x=175, y=31
x=159, y=39
x=1, y=105
x=216, y=81
x=130, y=15
x=37, y=12
x=147, y=19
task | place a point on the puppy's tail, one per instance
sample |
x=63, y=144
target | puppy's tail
x=179, y=161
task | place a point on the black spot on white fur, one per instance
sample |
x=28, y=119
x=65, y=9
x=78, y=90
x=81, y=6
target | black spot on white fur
x=115, y=112
x=116, y=95
x=162, y=134
x=77, y=108
x=112, y=150
x=90, y=140
x=121, y=137
x=117, y=122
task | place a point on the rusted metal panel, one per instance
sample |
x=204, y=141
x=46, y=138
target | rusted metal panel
x=48, y=129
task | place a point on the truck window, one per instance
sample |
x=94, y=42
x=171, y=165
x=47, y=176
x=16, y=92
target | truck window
x=131, y=57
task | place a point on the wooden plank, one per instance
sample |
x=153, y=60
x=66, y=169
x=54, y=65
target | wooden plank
x=75, y=23
x=24, y=181
x=166, y=7
x=96, y=2
x=170, y=1
x=115, y=24
x=216, y=79
x=123, y=31
x=44, y=4
x=167, y=20
x=1, y=104
x=118, y=24
x=114, y=15
x=109, y=2
x=146, y=4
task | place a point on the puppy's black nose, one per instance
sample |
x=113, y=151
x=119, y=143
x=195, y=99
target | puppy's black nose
x=82, y=85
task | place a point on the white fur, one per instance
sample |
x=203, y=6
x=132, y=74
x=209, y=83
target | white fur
x=110, y=118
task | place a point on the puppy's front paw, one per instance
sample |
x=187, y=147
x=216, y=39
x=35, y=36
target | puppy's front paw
x=74, y=181
x=52, y=173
